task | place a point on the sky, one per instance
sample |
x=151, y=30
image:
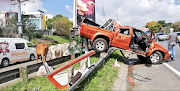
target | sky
x=135, y=13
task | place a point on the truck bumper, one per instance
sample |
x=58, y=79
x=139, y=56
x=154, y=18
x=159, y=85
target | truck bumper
x=166, y=56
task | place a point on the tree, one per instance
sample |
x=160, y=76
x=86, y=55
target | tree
x=1, y=27
x=63, y=25
x=49, y=22
x=162, y=22
x=176, y=26
x=154, y=25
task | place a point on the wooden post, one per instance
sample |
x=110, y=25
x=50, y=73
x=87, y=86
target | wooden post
x=23, y=74
x=71, y=70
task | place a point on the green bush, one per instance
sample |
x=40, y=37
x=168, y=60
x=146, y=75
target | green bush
x=37, y=35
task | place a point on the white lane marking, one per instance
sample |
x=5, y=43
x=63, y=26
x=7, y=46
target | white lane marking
x=170, y=67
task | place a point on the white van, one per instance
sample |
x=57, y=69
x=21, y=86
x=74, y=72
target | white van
x=14, y=50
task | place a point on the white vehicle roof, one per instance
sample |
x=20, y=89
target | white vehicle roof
x=16, y=40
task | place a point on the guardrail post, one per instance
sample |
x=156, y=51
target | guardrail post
x=23, y=74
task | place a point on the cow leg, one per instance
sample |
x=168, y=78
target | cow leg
x=37, y=58
x=54, y=55
x=45, y=57
x=42, y=57
x=50, y=54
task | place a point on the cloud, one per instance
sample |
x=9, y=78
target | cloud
x=5, y=5
x=33, y=7
x=69, y=8
x=50, y=16
x=71, y=19
x=137, y=13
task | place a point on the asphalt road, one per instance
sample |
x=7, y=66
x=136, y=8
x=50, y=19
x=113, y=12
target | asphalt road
x=175, y=64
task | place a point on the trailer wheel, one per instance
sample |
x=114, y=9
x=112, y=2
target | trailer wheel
x=155, y=58
x=142, y=58
x=100, y=45
x=5, y=62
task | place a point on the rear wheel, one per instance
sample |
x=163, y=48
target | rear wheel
x=142, y=58
x=5, y=62
x=100, y=45
x=155, y=58
x=32, y=57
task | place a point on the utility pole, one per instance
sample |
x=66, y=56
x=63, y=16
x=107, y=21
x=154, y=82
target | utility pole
x=19, y=17
x=19, y=23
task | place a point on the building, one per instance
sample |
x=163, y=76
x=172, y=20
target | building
x=36, y=18
x=5, y=16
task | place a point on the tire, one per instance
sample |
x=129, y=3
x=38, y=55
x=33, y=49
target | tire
x=5, y=62
x=142, y=58
x=100, y=45
x=155, y=58
x=32, y=57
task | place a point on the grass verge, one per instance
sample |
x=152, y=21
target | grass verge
x=59, y=39
x=102, y=79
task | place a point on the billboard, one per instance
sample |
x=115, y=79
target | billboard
x=85, y=9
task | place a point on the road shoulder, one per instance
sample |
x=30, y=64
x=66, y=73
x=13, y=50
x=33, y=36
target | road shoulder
x=120, y=83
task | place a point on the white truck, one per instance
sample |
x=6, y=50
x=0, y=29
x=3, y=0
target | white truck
x=14, y=50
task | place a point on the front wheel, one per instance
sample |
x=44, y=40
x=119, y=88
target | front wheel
x=155, y=58
x=100, y=45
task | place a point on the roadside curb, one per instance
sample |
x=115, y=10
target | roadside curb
x=120, y=83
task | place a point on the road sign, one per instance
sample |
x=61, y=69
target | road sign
x=19, y=23
x=41, y=11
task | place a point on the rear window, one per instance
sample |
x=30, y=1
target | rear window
x=19, y=45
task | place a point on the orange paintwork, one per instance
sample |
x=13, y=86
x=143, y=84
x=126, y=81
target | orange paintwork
x=19, y=59
x=92, y=32
x=18, y=53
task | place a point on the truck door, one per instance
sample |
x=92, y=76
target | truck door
x=122, y=39
x=141, y=39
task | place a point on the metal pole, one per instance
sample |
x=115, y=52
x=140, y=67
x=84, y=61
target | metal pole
x=86, y=50
x=75, y=14
x=117, y=9
x=19, y=17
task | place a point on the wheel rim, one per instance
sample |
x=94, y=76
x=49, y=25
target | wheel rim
x=100, y=45
x=5, y=62
x=154, y=58
x=32, y=57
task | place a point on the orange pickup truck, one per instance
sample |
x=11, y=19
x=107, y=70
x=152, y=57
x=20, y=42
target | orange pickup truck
x=127, y=38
